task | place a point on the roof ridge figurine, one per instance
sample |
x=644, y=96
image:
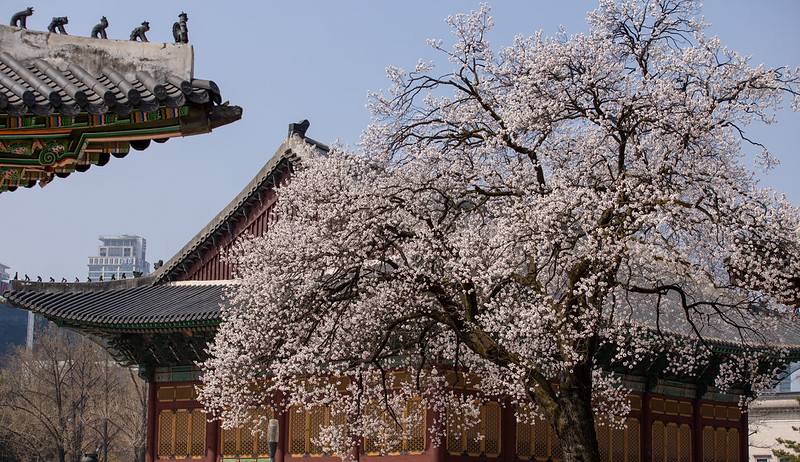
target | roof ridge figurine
x=99, y=30
x=19, y=18
x=138, y=33
x=179, y=30
x=58, y=24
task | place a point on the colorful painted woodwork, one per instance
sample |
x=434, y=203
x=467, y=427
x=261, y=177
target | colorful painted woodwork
x=76, y=102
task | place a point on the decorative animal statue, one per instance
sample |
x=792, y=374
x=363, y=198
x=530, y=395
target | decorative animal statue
x=99, y=30
x=179, y=30
x=139, y=32
x=18, y=20
x=58, y=23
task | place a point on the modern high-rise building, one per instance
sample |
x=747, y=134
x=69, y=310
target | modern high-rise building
x=119, y=255
x=4, y=276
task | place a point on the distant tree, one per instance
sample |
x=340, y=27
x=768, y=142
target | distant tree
x=528, y=214
x=66, y=396
x=120, y=421
x=132, y=417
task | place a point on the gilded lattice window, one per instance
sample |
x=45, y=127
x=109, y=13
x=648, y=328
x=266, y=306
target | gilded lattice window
x=482, y=438
x=671, y=442
x=165, y=431
x=392, y=439
x=241, y=442
x=720, y=444
x=181, y=434
x=619, y=444
x=536, y=440
x=305, y=426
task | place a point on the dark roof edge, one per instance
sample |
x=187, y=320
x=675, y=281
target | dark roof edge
x=287, y=150
x=100, y=286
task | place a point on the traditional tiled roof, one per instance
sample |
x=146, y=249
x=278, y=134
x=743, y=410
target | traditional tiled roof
x=754, y=325
x=40, y=88
x=137, y=304
x=147, y=307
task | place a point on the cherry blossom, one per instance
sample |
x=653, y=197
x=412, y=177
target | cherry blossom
x=563, y=209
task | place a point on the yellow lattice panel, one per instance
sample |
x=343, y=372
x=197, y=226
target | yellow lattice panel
x=634, y=439
x=602, y=432
x=472, y=437
x=481, y=438
x=658, y=441
x=555, y=445
x=297, y=430
x=181, y=435
x=491, y=429
x=197, y=434
x=416, y=434
x=523, y=440
x=685, y=443
x=392, y=439
x=249, y=441
x=228, y=442
x=733, y=444
x=540, y=443
x=708, y=444
x=720, y=444
x=316, y=421
x=455, y=438
x=671, y=442
x=165, y=430
x=305, y=428
x=373, y=442
x=619, y=444
x=537, y=440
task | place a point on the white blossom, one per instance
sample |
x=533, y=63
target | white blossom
x=531, y=215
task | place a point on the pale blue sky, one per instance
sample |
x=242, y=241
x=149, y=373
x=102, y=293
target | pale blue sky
x=283, y=63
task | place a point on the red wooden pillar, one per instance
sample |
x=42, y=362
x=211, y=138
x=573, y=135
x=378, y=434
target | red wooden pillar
x=508, y=432
x=152, y=421
x=212, y=441
x=744, y=444
x=647, y=428
x=436, y=427
x=697, y=431
x=282, y=416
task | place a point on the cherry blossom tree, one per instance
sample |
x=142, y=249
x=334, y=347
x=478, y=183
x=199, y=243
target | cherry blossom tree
x=561, y=207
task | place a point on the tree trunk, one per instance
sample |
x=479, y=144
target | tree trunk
x=139, y=453
x=575, y=425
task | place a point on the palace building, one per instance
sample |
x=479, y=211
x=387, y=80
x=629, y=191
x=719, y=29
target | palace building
x=162, y=322
x=68, y=103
